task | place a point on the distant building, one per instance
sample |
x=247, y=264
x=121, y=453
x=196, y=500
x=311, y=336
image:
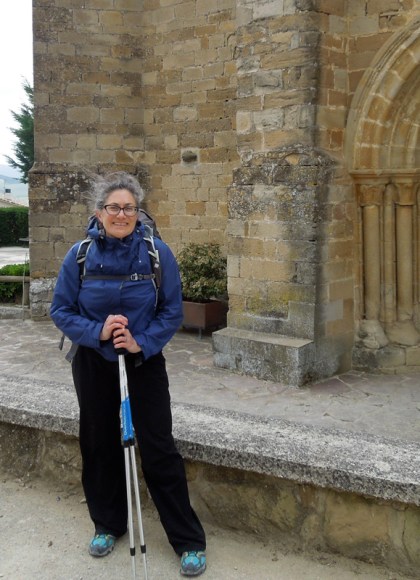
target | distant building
x=12, y=192
x=4, y=202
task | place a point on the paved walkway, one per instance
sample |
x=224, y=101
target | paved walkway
x=382, y=404
x=385, y=405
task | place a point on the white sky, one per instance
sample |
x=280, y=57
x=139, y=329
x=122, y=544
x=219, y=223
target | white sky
x=16, y=65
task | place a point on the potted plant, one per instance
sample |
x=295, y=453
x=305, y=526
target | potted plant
x=204, y=286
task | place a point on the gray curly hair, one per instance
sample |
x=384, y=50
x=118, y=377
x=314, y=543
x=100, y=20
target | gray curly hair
x=104, y=185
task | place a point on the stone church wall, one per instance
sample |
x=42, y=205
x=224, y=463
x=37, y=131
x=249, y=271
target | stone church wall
x=233, y=113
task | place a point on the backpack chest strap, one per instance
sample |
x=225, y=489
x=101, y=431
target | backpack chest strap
x=131, y=278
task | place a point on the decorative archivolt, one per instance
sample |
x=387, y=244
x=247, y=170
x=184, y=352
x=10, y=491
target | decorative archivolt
x=383, y=149
x=384, y=119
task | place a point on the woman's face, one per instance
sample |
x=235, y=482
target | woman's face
x=120, y=225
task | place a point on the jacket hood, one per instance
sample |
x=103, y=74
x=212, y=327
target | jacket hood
x=94, y=230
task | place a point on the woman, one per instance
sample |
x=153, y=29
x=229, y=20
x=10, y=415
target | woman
x=101, y=314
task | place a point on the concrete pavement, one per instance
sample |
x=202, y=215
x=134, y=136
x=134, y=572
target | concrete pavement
x=359, y=402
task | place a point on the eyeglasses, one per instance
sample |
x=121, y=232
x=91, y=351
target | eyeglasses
x=113, y=209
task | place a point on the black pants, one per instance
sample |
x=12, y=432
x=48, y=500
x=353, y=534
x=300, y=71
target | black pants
x=103, y=476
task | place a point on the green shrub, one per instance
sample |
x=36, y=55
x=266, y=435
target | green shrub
x=203, y=272
x=10, y=291
x=13, y=225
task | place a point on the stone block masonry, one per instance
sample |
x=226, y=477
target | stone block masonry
x=133, y=89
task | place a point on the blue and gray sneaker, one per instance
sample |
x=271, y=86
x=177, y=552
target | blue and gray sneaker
x=101, y=545
x=193, y=563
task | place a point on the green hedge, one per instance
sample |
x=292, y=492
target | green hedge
x=10, y=291
x=13, y=225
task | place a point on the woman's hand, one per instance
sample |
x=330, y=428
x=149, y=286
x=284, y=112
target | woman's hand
x=115, y=327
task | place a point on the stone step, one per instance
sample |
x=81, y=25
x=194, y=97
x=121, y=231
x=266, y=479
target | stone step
x=269, y=357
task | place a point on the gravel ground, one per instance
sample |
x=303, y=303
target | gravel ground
x=44, y=532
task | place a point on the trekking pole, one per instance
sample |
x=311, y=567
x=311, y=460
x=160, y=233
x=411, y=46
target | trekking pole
x=130, y=460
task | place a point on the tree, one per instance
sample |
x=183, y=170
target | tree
x=24, y=147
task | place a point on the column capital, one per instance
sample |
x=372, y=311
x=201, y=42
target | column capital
x=406, y=190
x=370, y=193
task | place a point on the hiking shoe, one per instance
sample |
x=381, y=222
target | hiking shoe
x=193, y=563
x=101, y=545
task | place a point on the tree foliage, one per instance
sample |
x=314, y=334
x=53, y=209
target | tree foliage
x=13, y=225
x=24, y=132
x=11, y=291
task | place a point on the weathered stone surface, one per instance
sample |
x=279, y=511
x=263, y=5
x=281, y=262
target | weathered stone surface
x=372, y=335
x=322, y=457
x=41, y=293
x=268, y=356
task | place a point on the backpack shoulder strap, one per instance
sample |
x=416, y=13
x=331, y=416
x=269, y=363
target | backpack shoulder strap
x=154, y=258
x=82, y=253
x=85, y=244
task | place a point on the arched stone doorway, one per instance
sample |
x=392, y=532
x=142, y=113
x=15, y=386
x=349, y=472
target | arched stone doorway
x=383, y=146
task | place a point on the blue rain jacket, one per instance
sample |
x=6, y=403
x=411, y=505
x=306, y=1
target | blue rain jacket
x=79, y=309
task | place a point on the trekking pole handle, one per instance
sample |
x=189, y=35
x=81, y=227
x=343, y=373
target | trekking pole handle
x=120, y=351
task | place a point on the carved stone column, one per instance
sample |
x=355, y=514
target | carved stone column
x=370, y=197
x=389, y=294
x=403, y=331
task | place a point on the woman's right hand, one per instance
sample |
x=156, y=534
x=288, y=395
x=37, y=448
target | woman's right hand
x=111, y=324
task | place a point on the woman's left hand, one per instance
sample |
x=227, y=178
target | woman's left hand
x=115, y=327
x=122, y=338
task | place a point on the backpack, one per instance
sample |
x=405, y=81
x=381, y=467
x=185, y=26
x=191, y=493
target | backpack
x=151, y=232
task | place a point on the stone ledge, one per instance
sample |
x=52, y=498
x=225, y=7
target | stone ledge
x=384, y=468
x=14, y=312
